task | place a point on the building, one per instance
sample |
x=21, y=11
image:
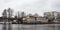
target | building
x=33, y=19
x=42, y=19
x=52, y=14
x=29, y=19
x=23, y=14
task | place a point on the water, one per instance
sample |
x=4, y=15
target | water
x=30, y=27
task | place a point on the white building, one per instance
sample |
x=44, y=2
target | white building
x=42, y=19
x=33, y=19
x=52, y=14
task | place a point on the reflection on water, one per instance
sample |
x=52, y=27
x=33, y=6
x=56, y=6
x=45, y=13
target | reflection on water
x=29, y=27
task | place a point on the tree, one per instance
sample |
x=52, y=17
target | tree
x=10, y=12
x=22, y=14
x=4, y=14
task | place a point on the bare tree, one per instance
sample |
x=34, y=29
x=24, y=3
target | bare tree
x=10, y=12
x=22, y=14
x=4, y=14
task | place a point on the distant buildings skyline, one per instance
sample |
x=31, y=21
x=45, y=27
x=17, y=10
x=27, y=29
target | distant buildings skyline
x=22, y=17
x=19, y=13
x=30, y=6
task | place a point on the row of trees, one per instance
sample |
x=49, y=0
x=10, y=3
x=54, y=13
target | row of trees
x=8, y=13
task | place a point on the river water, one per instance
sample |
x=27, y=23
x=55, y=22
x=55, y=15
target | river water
x=30, y=27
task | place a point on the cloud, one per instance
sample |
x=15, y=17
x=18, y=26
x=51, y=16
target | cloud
x=31, y=6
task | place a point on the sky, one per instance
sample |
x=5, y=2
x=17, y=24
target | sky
x=30, y=6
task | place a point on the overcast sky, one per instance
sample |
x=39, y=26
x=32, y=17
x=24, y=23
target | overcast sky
x=30, y=6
